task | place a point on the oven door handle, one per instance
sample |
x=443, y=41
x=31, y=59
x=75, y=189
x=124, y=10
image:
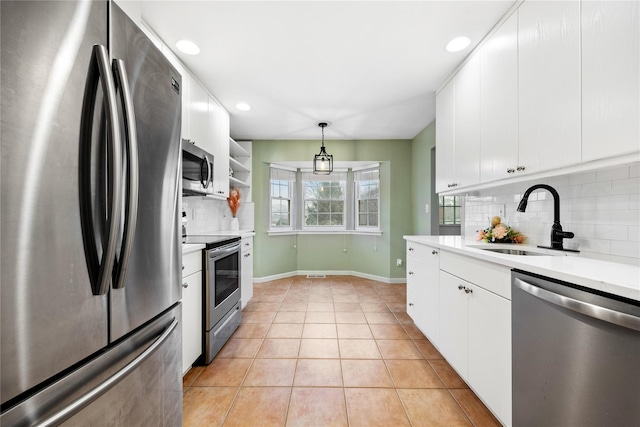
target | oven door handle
x=597, y=312
x=217, y=253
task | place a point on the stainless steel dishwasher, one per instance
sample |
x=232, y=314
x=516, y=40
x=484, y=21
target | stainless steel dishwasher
x=576, y=355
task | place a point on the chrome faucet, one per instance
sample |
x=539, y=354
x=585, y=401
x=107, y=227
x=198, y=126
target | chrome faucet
x=557, y=235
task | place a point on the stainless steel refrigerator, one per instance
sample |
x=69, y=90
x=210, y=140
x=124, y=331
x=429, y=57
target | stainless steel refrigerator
x=90, y=242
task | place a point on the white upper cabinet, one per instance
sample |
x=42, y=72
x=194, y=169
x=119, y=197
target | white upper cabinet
x=466, y=141
x=218, y=127
x=199, y=127
x=610, y=78
x=499, y=103
x=549, y=84
x=444, y=138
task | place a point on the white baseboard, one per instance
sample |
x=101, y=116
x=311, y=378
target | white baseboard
x=390, y=280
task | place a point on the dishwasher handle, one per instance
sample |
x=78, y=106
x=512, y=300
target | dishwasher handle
x=588, y=309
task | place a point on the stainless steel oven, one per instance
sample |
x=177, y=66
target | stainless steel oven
x=197, y=170
x=222, y=314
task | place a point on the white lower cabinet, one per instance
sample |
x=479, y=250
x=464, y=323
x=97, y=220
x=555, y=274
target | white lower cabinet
x=246, y=270
x=422, y=288
x=191, y=309
x=463, y=306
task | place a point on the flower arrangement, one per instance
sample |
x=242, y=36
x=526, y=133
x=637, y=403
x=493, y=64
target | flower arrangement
x=499, y=233
x=234, y=201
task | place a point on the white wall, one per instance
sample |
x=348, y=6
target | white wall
x=601, y=207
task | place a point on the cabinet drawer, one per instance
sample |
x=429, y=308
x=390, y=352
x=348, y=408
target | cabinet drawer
x=426, y=254
x=246, y=244
x=418, y=274
x=191, y=263
x=492, y=277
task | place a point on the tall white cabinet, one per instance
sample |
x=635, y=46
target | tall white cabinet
x=499, y=103
x=610, y=78
x=549, y=84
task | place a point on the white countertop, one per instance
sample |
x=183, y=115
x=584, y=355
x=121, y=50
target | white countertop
x=614, y=278
x=191, y=247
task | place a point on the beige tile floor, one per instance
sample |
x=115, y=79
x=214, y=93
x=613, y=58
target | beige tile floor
x=339, y=351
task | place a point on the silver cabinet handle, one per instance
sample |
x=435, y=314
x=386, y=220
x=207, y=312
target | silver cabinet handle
x=410, y=304
x=460, y=287
x=468, y=290
x=247, y=255
x=75, y=406
x=410, y=249
x=246, y=244
x=185, y=285
x=602, y=313
x=511, y=170
x=411, y=273
x=452, y=185
x=434, y=252
x=131, y=204
x=520, y=168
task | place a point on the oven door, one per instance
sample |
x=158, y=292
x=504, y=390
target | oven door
x=223, y=282
x=197, y=170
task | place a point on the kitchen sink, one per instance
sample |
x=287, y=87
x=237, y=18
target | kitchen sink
x=514, y=251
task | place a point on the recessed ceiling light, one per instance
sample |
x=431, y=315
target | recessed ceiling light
x=188, y=47
x=458, y=44
x=243, y=106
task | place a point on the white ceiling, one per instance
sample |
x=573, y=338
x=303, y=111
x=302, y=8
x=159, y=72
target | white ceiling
x=370, y=68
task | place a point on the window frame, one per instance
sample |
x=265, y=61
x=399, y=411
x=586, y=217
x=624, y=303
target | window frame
x=304, y=199
x=291, y=198
x=357, y=199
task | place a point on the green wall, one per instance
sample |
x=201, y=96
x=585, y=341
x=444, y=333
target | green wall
x=421, y=188
x=375, y=255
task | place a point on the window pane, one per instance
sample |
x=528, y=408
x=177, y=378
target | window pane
x=337, y=206
x=441, y=214
x=324, y=219
x=373, y=220
x=372, y=205
x=311, y=219
x=336, y=219
x=362, y=219
x=362, y=205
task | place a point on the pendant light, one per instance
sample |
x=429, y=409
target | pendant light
x=322, y=162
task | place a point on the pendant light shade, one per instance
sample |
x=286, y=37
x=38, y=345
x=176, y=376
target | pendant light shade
x=322, y=162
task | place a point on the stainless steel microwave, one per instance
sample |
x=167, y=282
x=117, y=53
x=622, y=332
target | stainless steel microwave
x=197, y=170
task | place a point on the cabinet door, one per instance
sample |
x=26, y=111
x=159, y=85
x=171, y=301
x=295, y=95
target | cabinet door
x=489, y=327
x=452, y=335
x=466, y=135
x=549, y=84
x=415, y=309
x=610, y=78
x=444, y=137
x=246, y=275
x=499, y=102
x=191, y=319
x=199, y=117
x=219, y=131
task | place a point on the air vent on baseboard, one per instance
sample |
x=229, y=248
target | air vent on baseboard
x=316, y=276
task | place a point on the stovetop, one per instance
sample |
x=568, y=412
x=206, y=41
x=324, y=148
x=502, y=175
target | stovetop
x=210, y=240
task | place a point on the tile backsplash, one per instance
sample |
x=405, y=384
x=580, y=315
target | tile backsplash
x=208, y=216
x=601, y=207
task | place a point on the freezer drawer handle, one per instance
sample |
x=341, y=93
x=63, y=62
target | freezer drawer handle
x=591, y=310
x=105, y=386
x=132, y=177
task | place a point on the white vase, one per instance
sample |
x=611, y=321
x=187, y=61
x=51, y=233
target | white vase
x=235, y=225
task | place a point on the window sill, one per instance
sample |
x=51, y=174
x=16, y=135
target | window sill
x=323, y=232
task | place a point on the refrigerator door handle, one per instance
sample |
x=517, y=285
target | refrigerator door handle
x=78, y=404
x=100, y=271
x=132, y=175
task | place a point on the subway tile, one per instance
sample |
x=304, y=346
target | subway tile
x=616, y=202
x=597, y=189
x=633, y=233
x=595, y=245
x=610, y=232
x=634, y=170
x=628, y=249
x=610, y=174
x=634, y=201
x=625, y=186
x=629, y=217
x=582, y=178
